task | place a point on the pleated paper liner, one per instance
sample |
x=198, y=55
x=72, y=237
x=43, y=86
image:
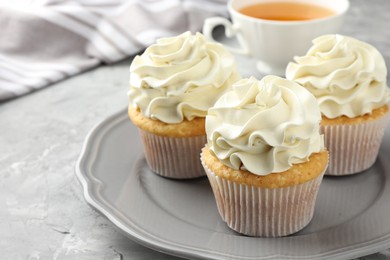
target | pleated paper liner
x=264, y=212
x=173, y=157
x=353, y=148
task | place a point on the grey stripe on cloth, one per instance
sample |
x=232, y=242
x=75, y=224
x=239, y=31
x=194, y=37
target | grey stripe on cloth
x=44, y=41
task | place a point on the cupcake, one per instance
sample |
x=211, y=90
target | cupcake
x=348, y=79
x=265, y=157
x=172, y=85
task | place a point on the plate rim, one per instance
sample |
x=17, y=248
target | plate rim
x=86, y=182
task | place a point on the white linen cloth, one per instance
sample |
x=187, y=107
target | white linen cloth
x=42, y=42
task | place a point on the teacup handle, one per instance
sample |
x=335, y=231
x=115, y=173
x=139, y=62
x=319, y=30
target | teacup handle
x=231, y=30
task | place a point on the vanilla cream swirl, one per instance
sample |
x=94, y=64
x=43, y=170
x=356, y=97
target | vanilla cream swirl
x=264, y=126
x=347, y=76
x=180, y=77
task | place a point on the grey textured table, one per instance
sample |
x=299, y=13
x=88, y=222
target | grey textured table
x=43, y=214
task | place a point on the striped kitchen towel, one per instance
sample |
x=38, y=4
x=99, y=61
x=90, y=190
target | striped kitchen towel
x=44, y=41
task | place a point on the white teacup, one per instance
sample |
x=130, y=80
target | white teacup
x=274, y=43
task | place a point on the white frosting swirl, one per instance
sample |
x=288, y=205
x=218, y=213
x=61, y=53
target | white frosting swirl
x=180, y=77
x=264, y=126
x=347, y=76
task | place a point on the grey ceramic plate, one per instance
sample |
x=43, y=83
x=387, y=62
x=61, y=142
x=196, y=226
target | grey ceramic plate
x=180, y=217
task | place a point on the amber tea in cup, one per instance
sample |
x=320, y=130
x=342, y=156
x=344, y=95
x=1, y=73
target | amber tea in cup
x=272, y=32
x=286, y=11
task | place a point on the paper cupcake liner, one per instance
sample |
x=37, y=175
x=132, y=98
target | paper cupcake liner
x=264, y=212
x=173, y=157
x=353, y=148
